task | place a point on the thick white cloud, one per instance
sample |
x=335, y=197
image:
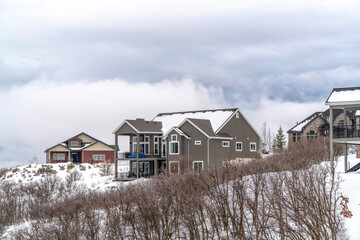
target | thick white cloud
x=40, y=114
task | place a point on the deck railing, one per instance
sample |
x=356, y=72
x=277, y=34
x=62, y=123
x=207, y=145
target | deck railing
x=141, y=155
x=346, y=131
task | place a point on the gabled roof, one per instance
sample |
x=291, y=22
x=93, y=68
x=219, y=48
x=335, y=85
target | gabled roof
x=300, y=126
x=59, y=144
x=217, y=117
x=142, y=126
x=88, y=144
x=325, y=116
x=176, y=129
x=344, y=96
x=203, y=125
x=77, y=136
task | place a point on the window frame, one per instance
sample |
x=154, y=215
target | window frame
x=170, y=148
x=98, y=157
x=202, y=166
x=236, y=146
x=197, y=142
x=57, y=156
x=170, y=167
x=252, y=143
x=225, y=144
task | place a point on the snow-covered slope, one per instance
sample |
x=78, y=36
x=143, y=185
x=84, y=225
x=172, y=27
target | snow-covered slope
x=350, y=188
x=91, y=176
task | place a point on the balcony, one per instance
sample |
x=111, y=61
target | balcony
x=346, y=131
x=142, y=156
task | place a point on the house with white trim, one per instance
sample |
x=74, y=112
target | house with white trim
x=172, y=142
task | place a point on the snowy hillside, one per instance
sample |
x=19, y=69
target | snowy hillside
x=350, y=188
x=95, y=176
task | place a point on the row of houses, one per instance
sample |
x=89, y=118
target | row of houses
x=340, y=123
x=168, y=143
x=172, y=142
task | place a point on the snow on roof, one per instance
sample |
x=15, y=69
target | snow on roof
x=217, y=117
x=339, y=95
x=299, y=127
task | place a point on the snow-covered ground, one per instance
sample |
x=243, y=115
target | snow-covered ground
x=91, y=175
x=93, y=178
x=350, y=188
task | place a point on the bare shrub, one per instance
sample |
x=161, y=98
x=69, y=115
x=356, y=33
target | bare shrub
x=73, y=177
x=106, y=169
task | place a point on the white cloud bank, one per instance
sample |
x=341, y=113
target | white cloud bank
x=40, y=114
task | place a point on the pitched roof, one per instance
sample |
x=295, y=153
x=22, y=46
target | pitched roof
x=300, y=126
x=341, y=96
x=325, y=116
x=217, y=117
x=204, y=125
x=142, y=126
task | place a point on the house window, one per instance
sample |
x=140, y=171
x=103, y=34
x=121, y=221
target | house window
x=225, y=143
x=326, y=132
x=252, y=147
x=74, y=143
x=198, y=166
x=144, y=144
x=174, y=147
x=237, y=115
x=173, y=137
x=198, y=142
x=238, y=146
x=311, y=135
x=156, y=145
x=341, y=123
x=163, y=149
x=98, y=157
x=174, y=167
x=59, y=156
x=296, y=137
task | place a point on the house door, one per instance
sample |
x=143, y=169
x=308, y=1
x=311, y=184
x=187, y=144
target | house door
x=75, y=157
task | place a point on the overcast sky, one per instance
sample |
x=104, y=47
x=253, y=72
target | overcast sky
x=86, y=65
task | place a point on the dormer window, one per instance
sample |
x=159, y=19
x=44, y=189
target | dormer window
x=74, y=143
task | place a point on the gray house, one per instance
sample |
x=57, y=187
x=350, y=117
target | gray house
x=172, y=142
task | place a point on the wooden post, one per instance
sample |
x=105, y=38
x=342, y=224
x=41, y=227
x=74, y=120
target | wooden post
x=331, y=141
x=116, y=155
x=345, y=157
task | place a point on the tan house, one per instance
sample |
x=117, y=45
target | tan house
x=318, y=125
x=81, y=148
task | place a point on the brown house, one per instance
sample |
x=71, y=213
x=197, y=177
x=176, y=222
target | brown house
x=318, y=125
x=192, y=139
x=81, y=148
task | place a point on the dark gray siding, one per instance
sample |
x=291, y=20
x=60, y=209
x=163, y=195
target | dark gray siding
x=196, y=152
x=241, y=131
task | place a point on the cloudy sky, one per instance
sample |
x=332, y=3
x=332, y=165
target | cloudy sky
x=85, y=65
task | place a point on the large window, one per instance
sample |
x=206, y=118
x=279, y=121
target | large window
x=252, y=147
x=59, y=156
x=296, y=137
x=98, y=157
x=198, y=166
x=238, y=146
x=174, y=167
x=174, y=145
x=311, y=135
x=156, y=145
x=144, y=144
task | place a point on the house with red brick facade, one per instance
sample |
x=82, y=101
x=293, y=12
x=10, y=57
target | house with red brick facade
x=81, y=148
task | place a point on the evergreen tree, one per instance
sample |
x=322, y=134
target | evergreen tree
x=279, y=140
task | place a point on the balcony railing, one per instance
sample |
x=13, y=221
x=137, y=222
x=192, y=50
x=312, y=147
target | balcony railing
x=346, y=131
x=141, y=155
